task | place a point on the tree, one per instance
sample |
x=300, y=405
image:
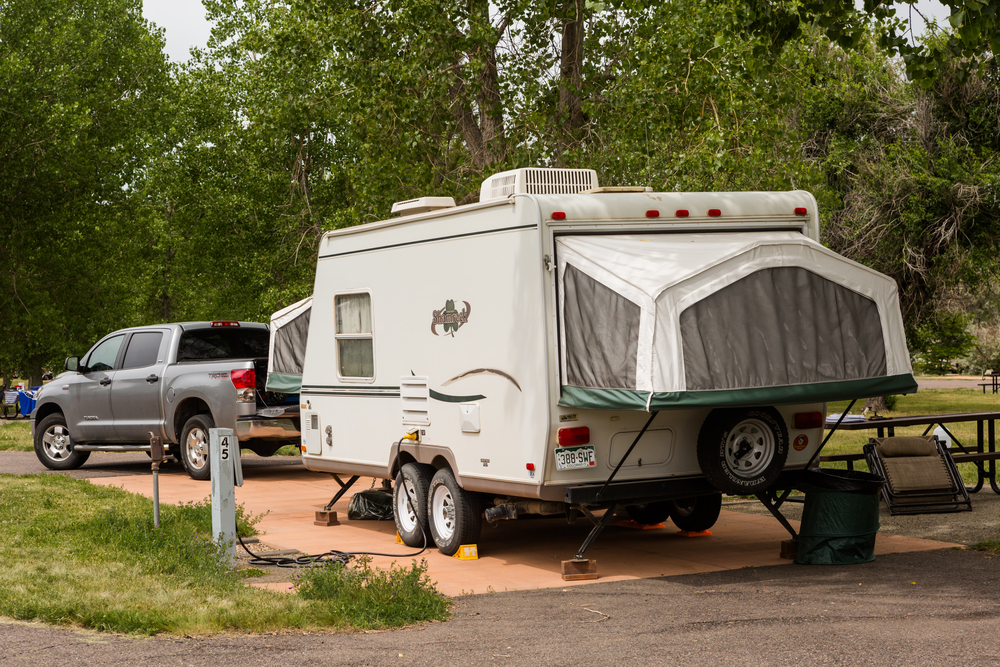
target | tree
x=971, y=44
x=80, y=86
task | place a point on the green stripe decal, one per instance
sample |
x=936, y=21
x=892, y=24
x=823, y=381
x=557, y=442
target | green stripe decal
x=630, y=399
x=438, y=396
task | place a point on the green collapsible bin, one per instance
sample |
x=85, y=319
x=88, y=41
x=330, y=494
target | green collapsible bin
x=840, y=518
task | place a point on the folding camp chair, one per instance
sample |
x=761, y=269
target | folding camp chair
x=921, y=477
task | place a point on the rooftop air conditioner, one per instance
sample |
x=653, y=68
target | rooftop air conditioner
x=537, y=182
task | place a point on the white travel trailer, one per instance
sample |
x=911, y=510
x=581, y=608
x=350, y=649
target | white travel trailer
x=517, y=354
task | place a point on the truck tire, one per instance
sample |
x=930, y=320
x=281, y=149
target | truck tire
x=455, y=516
x=194, y=446
x=409, y=504
x=696, y=514
x=742, y=450
x=650, y=514
x=54, y=446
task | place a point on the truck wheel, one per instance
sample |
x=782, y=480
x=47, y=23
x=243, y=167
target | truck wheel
x=409, y=503
x=194, y=446
x=649, y=513
x=54, y=446
x=455, y=515
x=696, y=514
x=742, y=450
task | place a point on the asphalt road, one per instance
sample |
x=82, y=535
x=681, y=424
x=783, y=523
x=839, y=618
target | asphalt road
x=931, y=608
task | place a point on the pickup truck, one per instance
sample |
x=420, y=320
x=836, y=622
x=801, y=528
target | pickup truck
x=176, y=381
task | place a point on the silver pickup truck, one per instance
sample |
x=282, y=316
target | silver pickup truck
x=173, y=380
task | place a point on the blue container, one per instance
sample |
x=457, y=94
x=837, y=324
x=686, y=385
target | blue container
x=27, y=403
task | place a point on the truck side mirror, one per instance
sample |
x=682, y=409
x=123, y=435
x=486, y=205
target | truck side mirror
x=72, y=364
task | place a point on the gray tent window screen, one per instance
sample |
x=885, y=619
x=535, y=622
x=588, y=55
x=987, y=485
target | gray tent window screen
x=290, y=345
x=602, y=333
x=778, y=327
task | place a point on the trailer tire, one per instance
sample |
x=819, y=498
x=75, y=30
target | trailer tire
x=650, y=514
x=411, y=521
x=696, y=514
x=194, y=446
x=742, y=450
x=455, y=515
x=54, y=446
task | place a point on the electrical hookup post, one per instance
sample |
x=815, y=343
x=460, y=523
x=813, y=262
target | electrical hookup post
x=227, y=472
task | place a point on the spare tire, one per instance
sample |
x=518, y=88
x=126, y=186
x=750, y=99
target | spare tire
x=743, y=450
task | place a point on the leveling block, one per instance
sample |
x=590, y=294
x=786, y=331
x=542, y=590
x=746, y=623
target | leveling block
x=326, y=518
x=628, y=523
x=467, y=552
x=576, y=569
x=695, y=533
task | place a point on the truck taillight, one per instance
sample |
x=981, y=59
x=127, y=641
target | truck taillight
x=245, y=382
x=225, y=323
x=244, y=379
x=579, y=435
x=804, y=420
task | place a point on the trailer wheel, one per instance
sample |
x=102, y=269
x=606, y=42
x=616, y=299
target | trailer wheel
x=54, y=446
x=455, y=515
x=409, y=502
x=696, y=514
x=742, y=450
x=650, y=513
x=194, y=446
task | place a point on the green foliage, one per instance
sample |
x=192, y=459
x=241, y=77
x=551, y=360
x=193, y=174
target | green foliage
x=974, y=34
x=940, y=341
x=374, y=598
x=81, y=85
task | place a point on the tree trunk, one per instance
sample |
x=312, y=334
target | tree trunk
x=876, y=404
x=570, y=81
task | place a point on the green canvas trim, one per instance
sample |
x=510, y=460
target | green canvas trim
x=630, y=399
x=284, y=383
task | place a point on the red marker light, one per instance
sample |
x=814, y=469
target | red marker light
x=681, y=213
x=804, y=420
x=652, y=214
x=579, y=435
x=801, y=211
x=714, y=213
x=558, y=215
x=529, y=466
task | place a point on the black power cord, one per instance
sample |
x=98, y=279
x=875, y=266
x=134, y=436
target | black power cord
x=335, y=556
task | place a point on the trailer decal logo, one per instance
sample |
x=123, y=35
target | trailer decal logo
x=450, y=318
x=483, y=371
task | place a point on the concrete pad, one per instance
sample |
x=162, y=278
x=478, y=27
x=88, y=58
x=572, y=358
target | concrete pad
x=514, y=555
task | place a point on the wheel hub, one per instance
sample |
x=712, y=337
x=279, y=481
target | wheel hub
x=197, y=448
x=57, y=443
x=750, y=448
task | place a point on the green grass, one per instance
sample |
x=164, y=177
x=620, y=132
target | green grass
x=288, y=450
x=924, y=402
x=79, y=554
x=15, y=436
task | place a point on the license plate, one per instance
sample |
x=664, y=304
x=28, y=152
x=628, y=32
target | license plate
x=571, y=458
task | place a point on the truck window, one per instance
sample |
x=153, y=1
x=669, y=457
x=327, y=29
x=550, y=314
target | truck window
x=355, y=340
x=142, y=349
x=104, y=355
x=206, y=344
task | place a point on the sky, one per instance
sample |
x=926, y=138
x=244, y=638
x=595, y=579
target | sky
x=186, y=26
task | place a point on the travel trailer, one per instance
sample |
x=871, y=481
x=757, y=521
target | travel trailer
x=560, y=347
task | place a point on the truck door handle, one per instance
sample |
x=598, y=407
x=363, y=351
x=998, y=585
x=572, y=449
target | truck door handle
x=105, y=381
x=151, y=378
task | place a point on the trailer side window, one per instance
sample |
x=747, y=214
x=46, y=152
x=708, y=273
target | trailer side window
x=355, y=340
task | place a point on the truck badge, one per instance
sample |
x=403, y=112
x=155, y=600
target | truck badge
x=450, y=318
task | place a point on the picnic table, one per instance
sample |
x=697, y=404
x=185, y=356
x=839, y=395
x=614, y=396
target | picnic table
x=984, y=455
x=994, y=381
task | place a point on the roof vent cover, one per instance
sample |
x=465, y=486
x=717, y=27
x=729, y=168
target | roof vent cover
x=537, y=182
x=422, y=205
